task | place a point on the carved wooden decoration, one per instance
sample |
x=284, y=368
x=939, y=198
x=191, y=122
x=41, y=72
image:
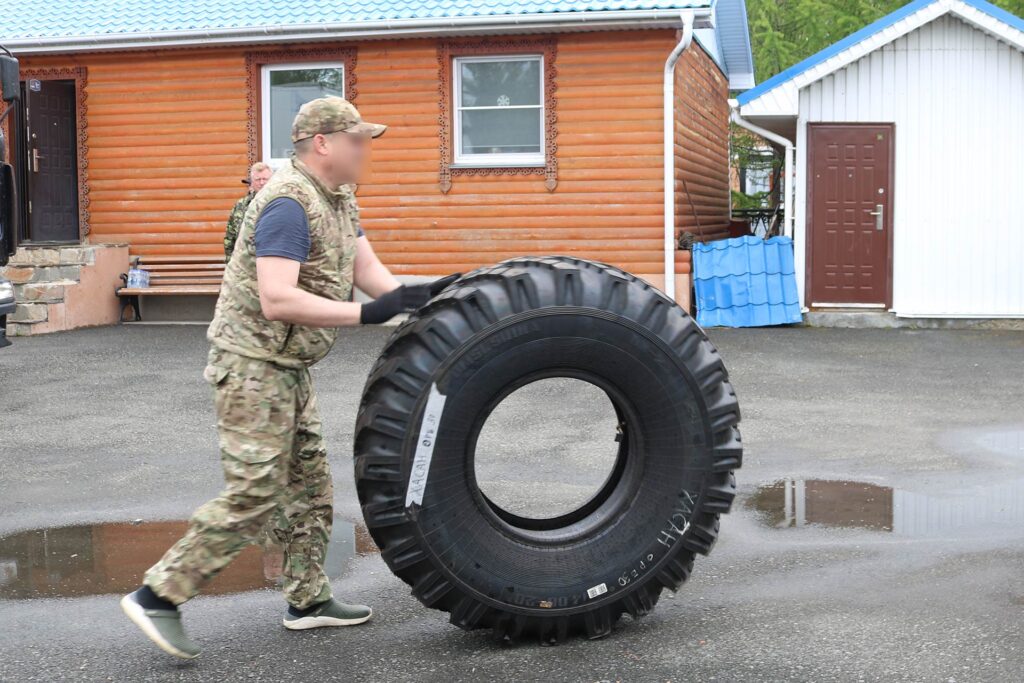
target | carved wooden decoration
x=255, y=60
x=79, y=75
x=446, y=51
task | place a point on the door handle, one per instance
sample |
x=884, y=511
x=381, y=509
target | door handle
x=878, y=213
x=36, y=156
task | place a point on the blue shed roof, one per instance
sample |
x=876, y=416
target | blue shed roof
x=865, y=33
x=65, y=18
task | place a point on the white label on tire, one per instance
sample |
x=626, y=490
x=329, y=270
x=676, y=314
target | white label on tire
x=425, y=447
x=599, y=589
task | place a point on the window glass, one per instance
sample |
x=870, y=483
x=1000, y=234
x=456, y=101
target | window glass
x=290, y=88
x=500, y=84
x=493, y=131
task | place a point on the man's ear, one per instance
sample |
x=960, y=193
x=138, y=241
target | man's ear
x=320, y=144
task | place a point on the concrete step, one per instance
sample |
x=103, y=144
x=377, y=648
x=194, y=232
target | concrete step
x=860, y=319
x=851, y=318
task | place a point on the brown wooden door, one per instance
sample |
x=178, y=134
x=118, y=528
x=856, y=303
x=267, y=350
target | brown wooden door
x=52, y=161
x=850, y=210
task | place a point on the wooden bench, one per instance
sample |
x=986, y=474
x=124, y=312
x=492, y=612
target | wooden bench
x=172, y=275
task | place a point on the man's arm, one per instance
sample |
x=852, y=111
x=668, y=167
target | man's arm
x=372, y=276
x=282, y=245
x=281, y=298
x=231, y=231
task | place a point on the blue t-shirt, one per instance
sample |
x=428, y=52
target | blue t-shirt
x=283, y=230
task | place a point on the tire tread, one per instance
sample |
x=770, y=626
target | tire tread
x=420, y=344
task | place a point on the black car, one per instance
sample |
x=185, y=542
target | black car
x=6, y=308
x=8, y=228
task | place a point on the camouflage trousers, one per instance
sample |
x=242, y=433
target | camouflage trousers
x=276, y=476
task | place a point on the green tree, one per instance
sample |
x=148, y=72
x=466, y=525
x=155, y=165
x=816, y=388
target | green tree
x=748, y=154
x=783, y=32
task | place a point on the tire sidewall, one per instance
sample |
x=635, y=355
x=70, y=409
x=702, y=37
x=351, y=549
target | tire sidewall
x=616, y=576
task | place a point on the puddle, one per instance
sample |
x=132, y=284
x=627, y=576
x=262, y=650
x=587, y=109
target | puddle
x=862, y=505
x=100, y=559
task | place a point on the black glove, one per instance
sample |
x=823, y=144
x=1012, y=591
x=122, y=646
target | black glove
x=403, y=299
x=441, y=284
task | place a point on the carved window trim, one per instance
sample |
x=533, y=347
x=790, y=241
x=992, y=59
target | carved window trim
x=254, y=63
x=447, y=50
x=78, y=74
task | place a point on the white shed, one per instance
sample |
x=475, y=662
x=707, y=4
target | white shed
x=908, y=138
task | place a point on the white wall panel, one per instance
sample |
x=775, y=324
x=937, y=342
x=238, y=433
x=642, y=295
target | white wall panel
x=956, y=96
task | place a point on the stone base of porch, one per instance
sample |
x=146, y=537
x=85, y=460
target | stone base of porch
x=64, y=287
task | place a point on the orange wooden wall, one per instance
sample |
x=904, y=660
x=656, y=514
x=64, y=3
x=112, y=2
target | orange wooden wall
x=167, y=149
x=702, y=147
x=166, y=146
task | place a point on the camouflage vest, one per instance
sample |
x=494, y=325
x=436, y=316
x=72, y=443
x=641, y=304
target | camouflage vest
x=238, y=323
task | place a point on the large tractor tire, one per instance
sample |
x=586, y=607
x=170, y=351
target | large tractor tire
x=446, y=368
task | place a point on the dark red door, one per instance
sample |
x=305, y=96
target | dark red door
x=850, y=209
x=52, y=163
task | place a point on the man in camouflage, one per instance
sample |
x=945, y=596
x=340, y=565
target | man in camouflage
x=259, y=176
x=286, y=291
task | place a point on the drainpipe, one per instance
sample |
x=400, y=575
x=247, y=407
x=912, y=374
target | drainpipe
x=788, y=219
x=669, y=152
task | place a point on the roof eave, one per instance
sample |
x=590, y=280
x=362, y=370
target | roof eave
x=742, y=81
x=368, y=30
x=739, y=62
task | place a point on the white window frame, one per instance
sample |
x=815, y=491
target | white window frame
x=265, y=70
x=495, y=160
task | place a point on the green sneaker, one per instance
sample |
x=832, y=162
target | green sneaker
x=163, y=627
x=330, y=613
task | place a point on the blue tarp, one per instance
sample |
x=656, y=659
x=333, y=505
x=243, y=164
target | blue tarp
x=745, y=282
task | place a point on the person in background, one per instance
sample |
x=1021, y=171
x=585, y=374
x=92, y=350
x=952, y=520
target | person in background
x=259, y=175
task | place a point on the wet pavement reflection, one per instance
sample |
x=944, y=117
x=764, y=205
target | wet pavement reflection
x=98, y=559
x=827, y=503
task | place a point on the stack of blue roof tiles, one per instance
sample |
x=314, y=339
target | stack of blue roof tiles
x=745, y=282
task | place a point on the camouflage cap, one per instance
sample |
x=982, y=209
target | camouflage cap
x=331, y=115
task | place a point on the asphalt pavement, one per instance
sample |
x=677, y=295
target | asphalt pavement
x=879, y=534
